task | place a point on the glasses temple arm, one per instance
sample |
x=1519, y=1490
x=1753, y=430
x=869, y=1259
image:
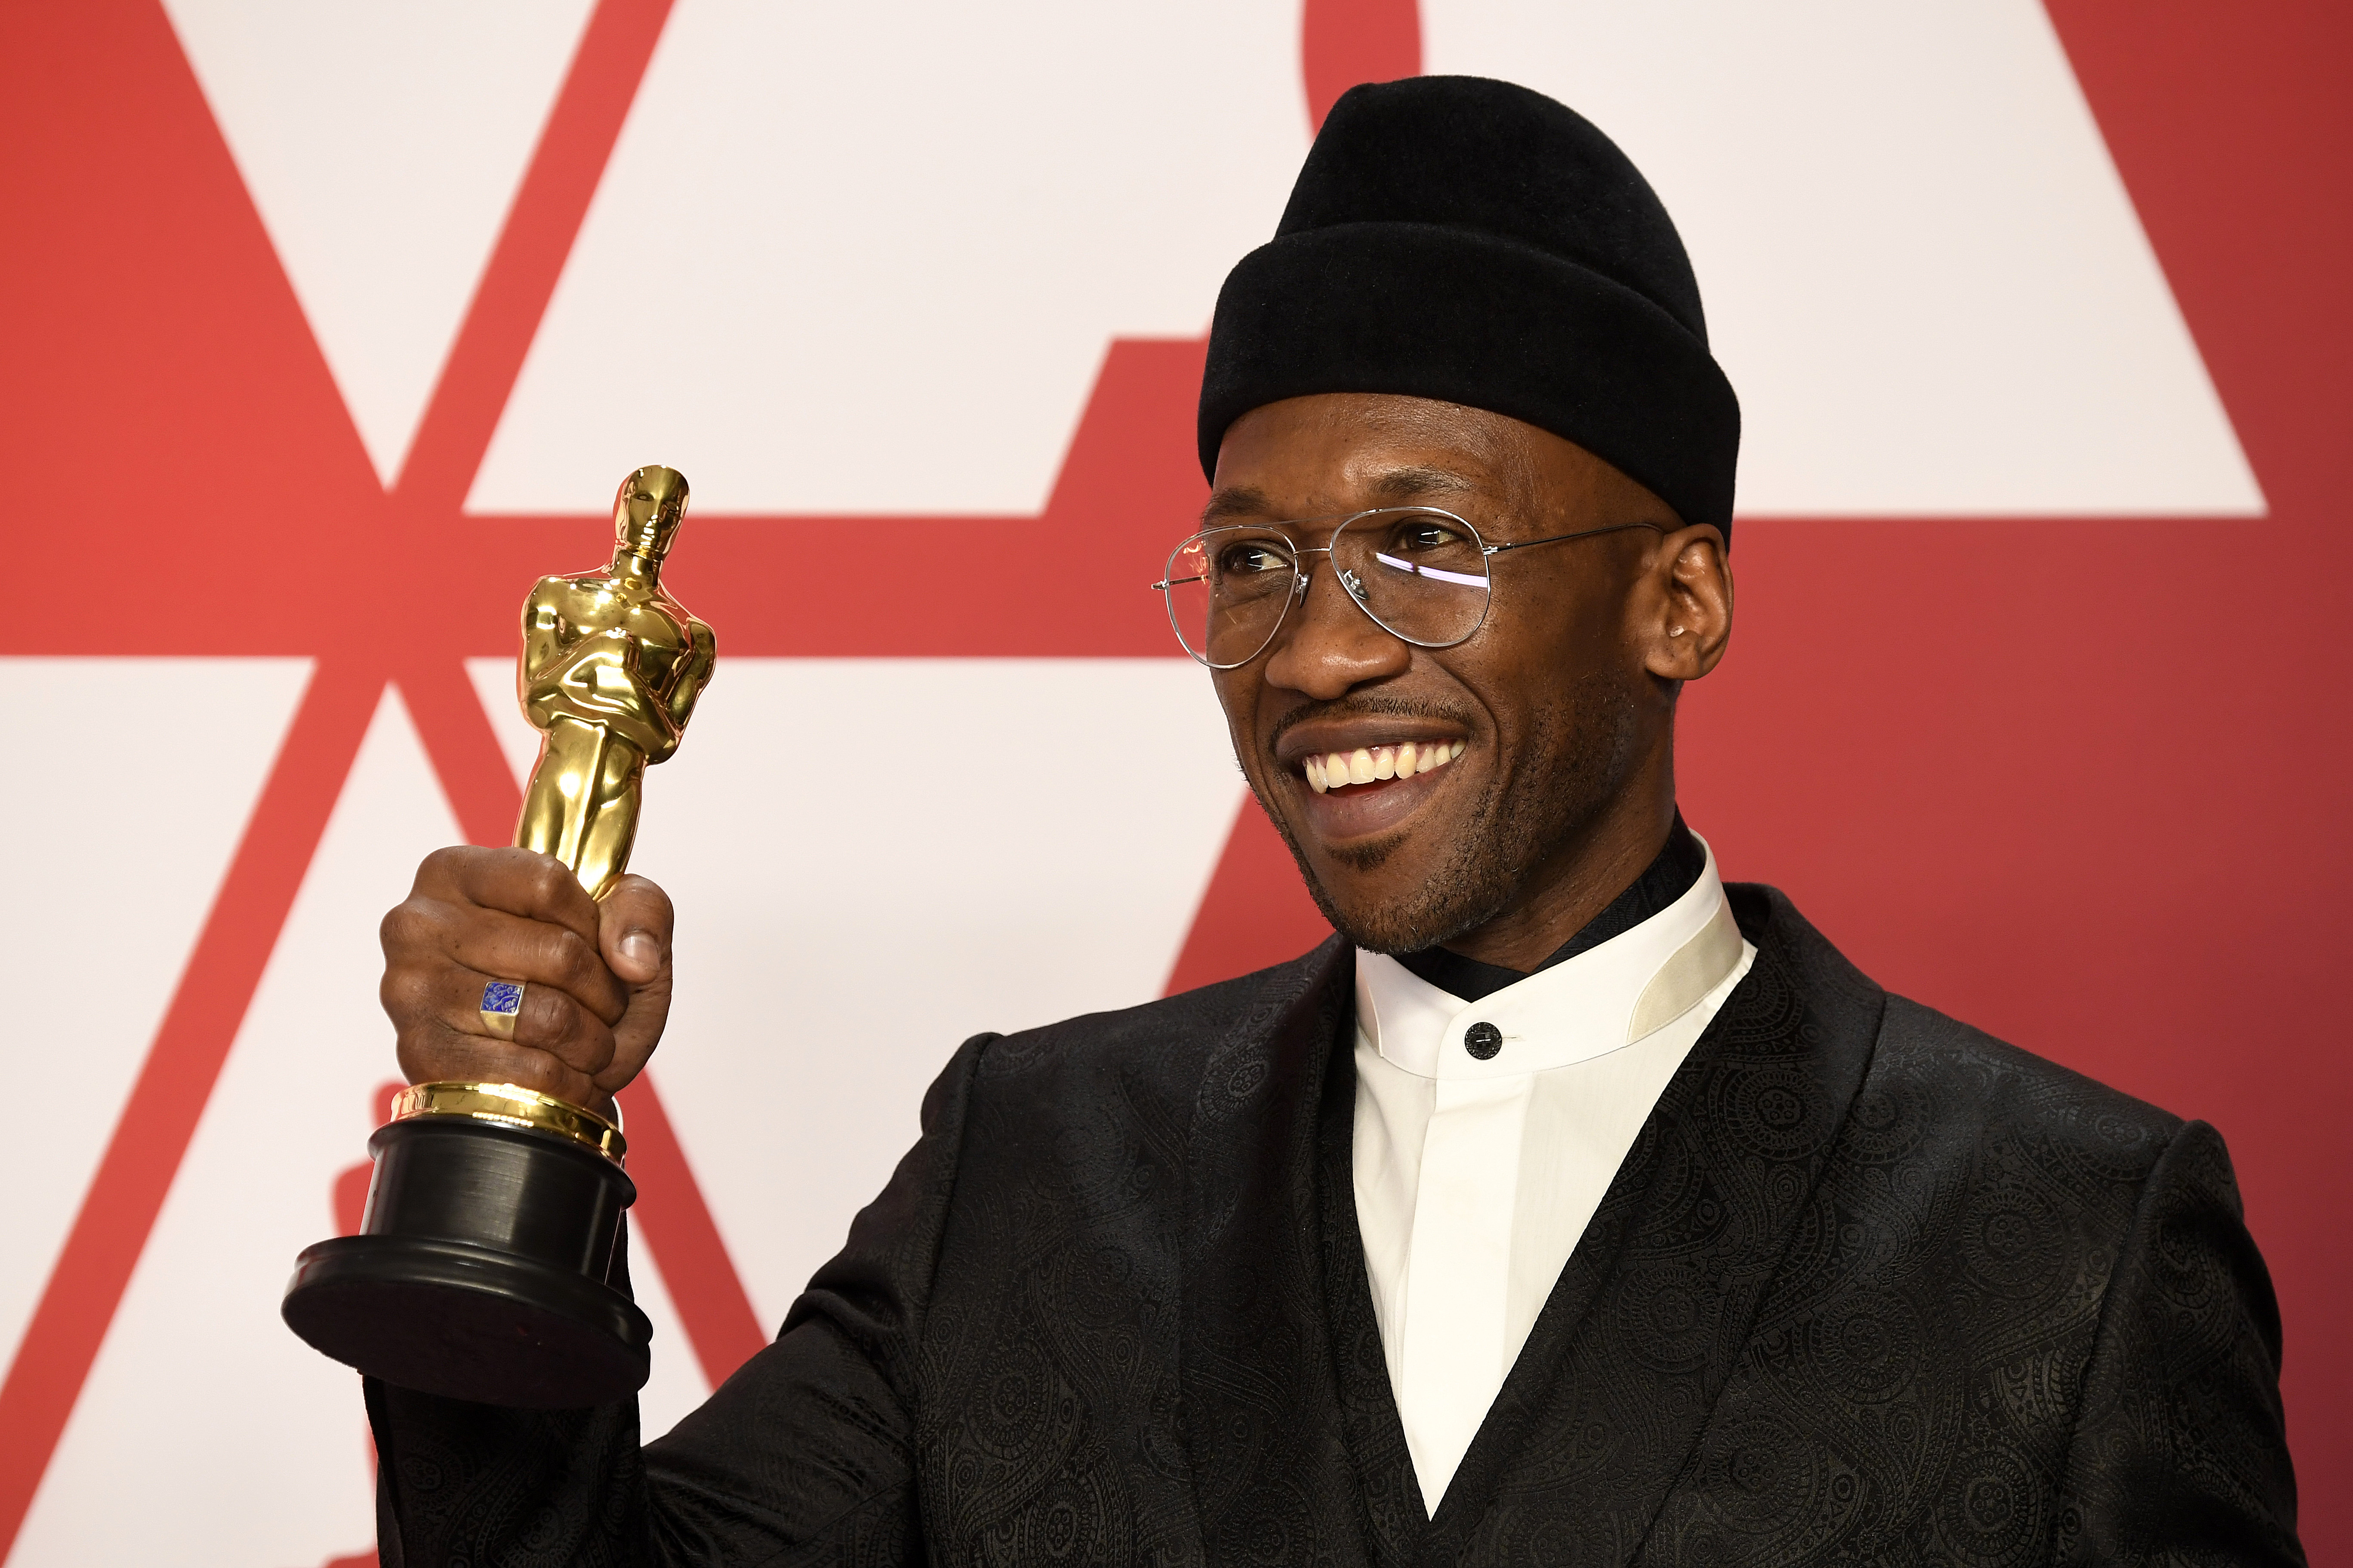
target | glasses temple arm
x=1560, y=538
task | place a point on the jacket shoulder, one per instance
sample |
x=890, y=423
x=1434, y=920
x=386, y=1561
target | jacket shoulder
x=1935, y=1078
x=2011, y=1098
x=1174, y=1035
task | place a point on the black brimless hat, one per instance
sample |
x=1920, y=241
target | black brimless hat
x=1473, y=241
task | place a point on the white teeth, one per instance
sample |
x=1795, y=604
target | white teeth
x=1336, y=769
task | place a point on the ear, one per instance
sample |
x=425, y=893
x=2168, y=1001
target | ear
x=1681, y=611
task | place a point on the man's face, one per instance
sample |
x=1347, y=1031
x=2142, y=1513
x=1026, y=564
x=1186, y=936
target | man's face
x=1558, y=702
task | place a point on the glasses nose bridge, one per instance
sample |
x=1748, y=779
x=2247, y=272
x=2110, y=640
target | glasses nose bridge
x=1303, y=574
x=1303, y=579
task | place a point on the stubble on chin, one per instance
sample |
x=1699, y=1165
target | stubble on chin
x=1576, y=758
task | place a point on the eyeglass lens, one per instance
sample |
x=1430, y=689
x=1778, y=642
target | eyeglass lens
x=1421, y=574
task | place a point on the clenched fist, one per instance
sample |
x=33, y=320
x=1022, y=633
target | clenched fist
x=596, y=977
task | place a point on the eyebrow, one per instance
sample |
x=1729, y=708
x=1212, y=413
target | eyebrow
x=1234, y=501
x=1414, y=481
x=1389, y=487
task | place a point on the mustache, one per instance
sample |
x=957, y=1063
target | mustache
x=1369, y=706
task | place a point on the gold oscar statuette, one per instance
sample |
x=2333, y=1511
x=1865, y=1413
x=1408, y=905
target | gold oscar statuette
x=480, y=1269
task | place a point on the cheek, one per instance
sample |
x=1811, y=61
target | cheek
x=1239, y=699
x=1529, y=677
x=1555, y=635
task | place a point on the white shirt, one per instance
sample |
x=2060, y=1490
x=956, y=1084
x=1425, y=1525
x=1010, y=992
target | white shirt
x=1475, y=1178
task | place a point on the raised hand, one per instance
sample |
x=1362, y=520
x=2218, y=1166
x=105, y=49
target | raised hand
x=596, y=977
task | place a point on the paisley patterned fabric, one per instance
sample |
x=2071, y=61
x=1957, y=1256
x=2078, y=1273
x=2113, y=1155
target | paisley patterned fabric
x=1871, y=1287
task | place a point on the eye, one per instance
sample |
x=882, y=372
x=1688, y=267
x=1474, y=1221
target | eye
x=1252, y=557
x=1423, y=534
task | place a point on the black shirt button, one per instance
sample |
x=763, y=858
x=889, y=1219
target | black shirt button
x=1483, y=1041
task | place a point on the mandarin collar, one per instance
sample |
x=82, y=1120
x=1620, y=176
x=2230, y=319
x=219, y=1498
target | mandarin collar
x=1605, y=998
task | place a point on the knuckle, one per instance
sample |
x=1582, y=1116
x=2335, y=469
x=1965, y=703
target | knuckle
x=651, y=901
x=555, y=1024
x=405, y=926
x=405, y=994
x=444, y=868
x=569, y=957
x=549, y=1016
x=546, y=880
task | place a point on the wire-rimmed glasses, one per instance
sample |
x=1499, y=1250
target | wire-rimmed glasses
x=1420, y=573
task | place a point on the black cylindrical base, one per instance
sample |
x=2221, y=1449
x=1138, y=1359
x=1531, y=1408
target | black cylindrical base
x=479, y=1270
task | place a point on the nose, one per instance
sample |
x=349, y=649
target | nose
x=1328, y=645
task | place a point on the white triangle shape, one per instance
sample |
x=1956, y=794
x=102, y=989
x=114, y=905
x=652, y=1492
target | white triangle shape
x=1922, y=270
x=126, y=865
x=381, y=142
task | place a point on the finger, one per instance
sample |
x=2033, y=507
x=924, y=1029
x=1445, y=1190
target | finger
x=520, y=882
x=434, y=1053
x=549, y=1021
x=634, y=930
x=425, y=932
x=445, y=1002
x=508, y=947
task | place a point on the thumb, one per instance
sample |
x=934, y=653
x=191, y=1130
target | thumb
x=634, y=930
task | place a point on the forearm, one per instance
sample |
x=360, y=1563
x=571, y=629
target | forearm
x=472, y=1483
x=802, y=1458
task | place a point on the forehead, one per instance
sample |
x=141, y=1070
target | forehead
x=1306, y=457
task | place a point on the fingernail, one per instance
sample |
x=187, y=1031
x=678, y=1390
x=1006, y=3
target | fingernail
x=640, y=948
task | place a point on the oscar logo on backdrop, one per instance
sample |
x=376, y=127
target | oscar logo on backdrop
x=492, y=1213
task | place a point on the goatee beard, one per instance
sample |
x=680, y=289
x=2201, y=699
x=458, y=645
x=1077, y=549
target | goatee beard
x=1582, y=752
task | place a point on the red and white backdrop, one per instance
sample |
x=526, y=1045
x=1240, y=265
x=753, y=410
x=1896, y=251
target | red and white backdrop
x=329, y=327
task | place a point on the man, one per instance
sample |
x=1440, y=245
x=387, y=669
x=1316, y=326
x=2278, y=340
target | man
x=1568, y=1206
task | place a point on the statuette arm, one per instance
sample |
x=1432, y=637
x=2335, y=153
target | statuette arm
x=597, y=679
x=695, y=673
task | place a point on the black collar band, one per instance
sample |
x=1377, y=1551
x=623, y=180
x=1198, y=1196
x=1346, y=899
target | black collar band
x=1667, y=878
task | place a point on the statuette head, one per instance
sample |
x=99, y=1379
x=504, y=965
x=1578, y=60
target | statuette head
x=647, y=510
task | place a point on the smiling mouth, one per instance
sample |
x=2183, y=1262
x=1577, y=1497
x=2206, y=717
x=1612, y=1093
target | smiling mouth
x=1376, y=764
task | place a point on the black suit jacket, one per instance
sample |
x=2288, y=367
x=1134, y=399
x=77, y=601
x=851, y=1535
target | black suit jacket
x=1870, y=1286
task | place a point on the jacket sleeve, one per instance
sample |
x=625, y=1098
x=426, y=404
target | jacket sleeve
x=804, y=1456
x=2180, y=1453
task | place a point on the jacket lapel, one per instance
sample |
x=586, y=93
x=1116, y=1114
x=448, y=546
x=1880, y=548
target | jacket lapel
x=1608, y=1398
x=1261, y=1413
